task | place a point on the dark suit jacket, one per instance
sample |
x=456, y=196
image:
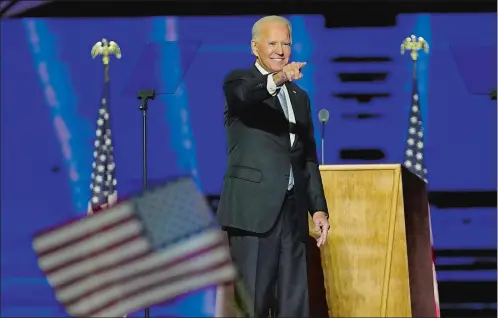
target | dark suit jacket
x=260, y=154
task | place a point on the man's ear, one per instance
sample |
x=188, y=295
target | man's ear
x=254, y=48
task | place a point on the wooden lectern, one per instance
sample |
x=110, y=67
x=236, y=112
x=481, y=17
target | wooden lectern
x=377, y=259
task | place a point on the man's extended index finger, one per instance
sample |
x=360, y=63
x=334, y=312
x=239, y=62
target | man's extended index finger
x=301, y=64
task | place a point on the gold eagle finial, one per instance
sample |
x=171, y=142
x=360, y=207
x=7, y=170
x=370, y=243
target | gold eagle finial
x=414, y=44
x=106, y=49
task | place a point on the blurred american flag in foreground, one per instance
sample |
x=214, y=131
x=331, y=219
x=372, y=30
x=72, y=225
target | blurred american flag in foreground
x=141, y=252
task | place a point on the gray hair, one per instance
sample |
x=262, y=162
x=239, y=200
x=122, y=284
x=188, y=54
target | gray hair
x=256, y=28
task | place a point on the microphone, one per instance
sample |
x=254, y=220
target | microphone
x=323, y=117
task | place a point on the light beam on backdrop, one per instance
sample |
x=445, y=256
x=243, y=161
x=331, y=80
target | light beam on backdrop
x=423, y=29
x=177, y=104
x=72, y=131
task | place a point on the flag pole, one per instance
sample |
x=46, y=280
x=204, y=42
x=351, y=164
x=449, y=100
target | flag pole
x=414, y=45
x=106, y=49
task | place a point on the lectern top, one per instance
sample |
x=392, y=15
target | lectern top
x=389, y=166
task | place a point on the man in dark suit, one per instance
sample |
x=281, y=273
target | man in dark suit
x=272, y=179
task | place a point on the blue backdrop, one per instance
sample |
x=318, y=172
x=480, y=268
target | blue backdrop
x=50, y=95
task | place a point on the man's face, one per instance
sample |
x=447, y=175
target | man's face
x=273, y=47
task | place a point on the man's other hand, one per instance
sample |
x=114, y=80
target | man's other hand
x=321, y=225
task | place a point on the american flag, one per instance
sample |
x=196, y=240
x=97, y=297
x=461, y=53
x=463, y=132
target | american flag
x=141, y=252
x=103, y=184
x=414, y=152
x=414, y=162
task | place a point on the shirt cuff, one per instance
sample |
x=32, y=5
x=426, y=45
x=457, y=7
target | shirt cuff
x=271, y=86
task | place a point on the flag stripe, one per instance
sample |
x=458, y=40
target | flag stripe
x=132, y=271
x=138, y=250
x=126, y=289
x=85, y=237
x=74, y=230
x=114, y=247
x=124, y=272
x=160, y=284
x=95, y=245
x=154, y=295
x=130, y=251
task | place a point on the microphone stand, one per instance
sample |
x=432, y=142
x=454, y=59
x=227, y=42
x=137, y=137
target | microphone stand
x=323, y=142
x=144, y=95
